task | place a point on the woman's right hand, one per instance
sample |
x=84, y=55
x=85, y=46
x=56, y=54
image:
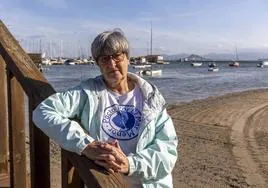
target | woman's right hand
x=94, y=151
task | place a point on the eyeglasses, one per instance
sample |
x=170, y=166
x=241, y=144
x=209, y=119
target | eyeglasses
x=116, y=57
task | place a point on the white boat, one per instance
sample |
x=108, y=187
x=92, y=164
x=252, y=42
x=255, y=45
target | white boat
x=196, y=64
x=213, y=69
x=69, y=62
x=46, y=62
x=265, y=63
x=166, y=63
x=150, y=72
x=141, y=66
x=234, y=64
x=91, y=61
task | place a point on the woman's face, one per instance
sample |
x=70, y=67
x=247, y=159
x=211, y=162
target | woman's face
x=114, y=68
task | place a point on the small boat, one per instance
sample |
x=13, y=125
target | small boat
x=213, y=69
x=261, y=65
x=70, y=62
x=141, y=66
x=234, y=64
x=40, y=67
x=212, y=65
x=46, y=62
x=150, y=72
x=196, y=64
x=265, y=63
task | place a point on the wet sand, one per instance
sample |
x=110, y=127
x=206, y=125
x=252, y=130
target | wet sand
x=223, y=142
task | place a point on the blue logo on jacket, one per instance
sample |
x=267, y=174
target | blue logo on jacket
x=121, y=122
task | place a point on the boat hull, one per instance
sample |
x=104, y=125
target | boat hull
x=150, y=72
x=213, y=69
x=265, y=63
x=196, y=64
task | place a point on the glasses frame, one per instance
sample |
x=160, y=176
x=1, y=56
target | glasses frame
x=117, y=58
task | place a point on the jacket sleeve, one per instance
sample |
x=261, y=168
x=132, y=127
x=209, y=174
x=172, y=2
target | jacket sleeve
x=158, y=158
x=53, y=116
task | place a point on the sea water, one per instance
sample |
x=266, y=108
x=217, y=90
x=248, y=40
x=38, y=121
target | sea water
x=180, y=82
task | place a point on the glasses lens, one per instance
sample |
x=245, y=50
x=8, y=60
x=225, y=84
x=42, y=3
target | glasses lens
x=118, y=57
x=115, y=57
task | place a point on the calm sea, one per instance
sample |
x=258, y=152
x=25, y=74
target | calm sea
x=180, y=82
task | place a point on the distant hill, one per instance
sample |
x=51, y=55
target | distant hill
x=185, y=57
x=221, y=56
x=175, y=56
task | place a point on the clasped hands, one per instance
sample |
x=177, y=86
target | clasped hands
x=109, y=155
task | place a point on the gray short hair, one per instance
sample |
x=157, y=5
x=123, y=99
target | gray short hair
x=109, y=43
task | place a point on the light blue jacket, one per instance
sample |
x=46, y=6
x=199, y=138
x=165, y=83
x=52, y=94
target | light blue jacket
x=156, y=151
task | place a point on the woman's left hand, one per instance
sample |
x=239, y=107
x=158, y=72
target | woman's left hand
x=120, y=164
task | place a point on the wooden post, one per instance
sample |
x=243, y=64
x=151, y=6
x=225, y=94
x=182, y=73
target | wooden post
x=3, y=118
x=39, y=147
x=16, y=133
x=69, y=175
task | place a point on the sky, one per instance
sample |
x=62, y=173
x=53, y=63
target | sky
x=67, y=27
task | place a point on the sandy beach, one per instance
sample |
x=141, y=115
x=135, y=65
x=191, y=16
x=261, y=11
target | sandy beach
x=223, y=142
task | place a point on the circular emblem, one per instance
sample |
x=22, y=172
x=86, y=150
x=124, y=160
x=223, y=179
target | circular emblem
x=121, y=122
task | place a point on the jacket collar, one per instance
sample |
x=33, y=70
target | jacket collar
x=154, y=102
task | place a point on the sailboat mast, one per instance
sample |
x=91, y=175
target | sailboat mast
x=151, y=39
x=236, y=55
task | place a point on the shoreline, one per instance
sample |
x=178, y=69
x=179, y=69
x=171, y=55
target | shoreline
x=261, y=89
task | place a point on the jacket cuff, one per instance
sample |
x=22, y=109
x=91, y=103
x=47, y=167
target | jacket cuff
x=131, y=165
x=83, y=144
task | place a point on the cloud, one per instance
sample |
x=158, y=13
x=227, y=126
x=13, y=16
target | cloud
x=202, y=31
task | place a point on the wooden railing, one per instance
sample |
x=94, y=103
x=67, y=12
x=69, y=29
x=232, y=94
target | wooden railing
x=19, y=76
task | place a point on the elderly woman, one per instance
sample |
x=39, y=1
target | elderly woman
x=124, y=123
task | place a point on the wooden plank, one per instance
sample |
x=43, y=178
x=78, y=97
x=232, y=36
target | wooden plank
x=23, y=68
x=94, y=175
x=70, y=176
x=17, y=133
x=39, y=154
x=36, y=58
x=3, y=118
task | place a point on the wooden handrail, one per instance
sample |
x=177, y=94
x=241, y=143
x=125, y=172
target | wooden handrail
x=37, y=88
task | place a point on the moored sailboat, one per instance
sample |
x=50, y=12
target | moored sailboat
x=235, y=62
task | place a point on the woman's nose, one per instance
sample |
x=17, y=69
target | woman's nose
x=111, y=62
